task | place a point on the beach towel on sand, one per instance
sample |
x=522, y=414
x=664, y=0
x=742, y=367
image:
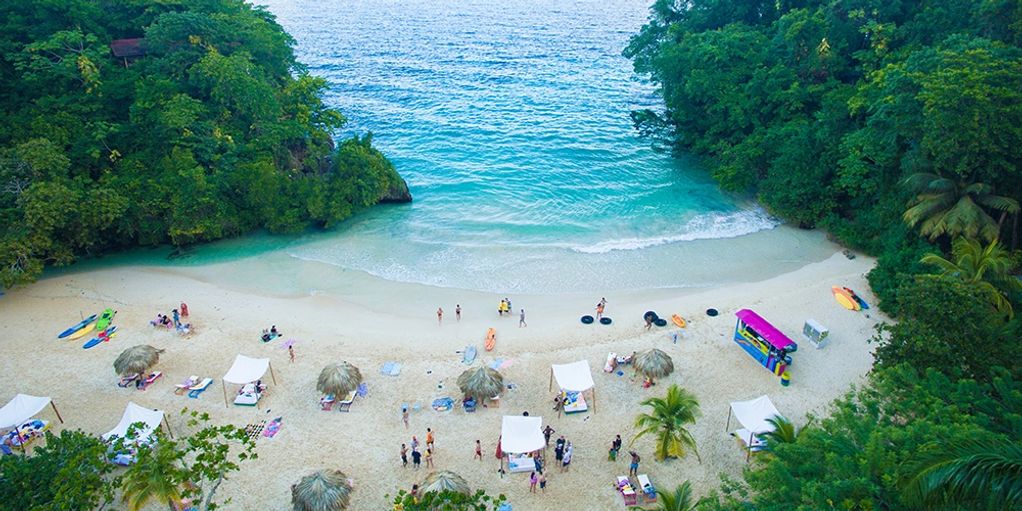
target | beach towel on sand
x=272, y=428
x=390, y=368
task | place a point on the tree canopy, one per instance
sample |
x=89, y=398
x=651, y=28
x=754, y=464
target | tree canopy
x=207, y=128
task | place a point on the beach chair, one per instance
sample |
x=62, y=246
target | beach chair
x=362, y=390
x=127, y=380
x=624, y=487
x=152, y=378
x=648, y=490
x=199, y=388
x=183, y=387
x=345, y=406
x=469, y=404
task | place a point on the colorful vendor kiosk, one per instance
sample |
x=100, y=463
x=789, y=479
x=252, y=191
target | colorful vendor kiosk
x=765, y=343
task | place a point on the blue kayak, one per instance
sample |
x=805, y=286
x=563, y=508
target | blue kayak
x=77, y=327
x=103, y=336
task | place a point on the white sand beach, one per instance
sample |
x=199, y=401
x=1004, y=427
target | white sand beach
x=379, y=321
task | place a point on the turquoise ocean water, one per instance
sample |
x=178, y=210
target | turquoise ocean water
x=509, y=120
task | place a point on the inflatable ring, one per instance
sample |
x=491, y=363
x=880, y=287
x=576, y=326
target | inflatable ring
x=711, y=312
x=587, y=320
x=650, y=315
x=660, y=322
x=605, y=321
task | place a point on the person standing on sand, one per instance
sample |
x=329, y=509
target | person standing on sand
x=599, y=310
x=440, y=315
x=184, y=310
x=547, y=431
x=404, y=456
x=532, y=482
x=521, y=319
x=479, y=451
x=404, y=415
x=416, y=458
x=457, y=312
x=542, y=482
x=429, y=438
x=568, y=451
x=633, y=469
x=429, y=458
x=291, y=352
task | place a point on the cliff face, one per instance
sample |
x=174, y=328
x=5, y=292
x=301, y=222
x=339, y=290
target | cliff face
x=397, y=192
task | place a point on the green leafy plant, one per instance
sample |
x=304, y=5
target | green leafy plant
x=667, y=422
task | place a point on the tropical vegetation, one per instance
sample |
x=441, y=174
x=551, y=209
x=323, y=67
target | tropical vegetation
x=140, y=123
x=896, y=127
x=666, y=422
x=680, y=499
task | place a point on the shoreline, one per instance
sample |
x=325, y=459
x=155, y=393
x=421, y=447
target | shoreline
x=372, y=323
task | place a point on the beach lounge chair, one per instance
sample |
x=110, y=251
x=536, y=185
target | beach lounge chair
x=149, y=381
x=574, y=402
x=443, y=404
x=127, y=380
x=362, y=390
x=648, y=490
x=199, y=388
x=249, y=395
x=624, y=487
x=183, y=387
x=345, y=405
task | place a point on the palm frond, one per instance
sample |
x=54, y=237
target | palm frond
x=972, y=472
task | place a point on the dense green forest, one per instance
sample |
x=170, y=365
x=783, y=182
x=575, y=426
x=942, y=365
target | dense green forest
x=205, y=127
x=897, y=127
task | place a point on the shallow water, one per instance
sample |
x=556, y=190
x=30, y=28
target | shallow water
x=510, y=122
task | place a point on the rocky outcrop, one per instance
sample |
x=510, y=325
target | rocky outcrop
x=397, y=192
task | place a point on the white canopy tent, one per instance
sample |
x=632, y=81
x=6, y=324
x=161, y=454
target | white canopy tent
x=573, y=377
x=134, y=413
x=520, y=434
x=246, y=370
x=23, y=407
x=752, y=415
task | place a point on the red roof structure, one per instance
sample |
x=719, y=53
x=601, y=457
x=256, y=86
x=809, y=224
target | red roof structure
x=128, y=48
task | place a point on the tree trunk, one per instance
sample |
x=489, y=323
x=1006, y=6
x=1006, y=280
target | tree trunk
x=170, y=502
x=212, y=491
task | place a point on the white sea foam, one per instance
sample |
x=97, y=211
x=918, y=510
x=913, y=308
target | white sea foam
x=704, y=226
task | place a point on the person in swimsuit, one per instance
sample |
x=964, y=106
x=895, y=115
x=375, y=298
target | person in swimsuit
x=457, y=312
x=479, y=450
x=440, y=315
x=521, y=319
x=404, y=455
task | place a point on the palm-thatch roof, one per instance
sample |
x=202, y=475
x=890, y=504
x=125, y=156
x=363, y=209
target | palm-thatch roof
x=338, y=379
x=323, y=490
x=136, y=360
x=444, y=480
x=481, y=383
x=653, y=363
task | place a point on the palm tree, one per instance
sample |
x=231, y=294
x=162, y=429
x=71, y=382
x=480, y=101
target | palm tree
x=945, y=206
x=987, y=474
x=680, y=499
x=784, y=432
x=667, y=421
x=987, y=267
x=153, y=476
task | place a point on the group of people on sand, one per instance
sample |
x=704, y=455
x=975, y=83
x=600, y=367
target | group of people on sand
x=440, y=314
x=173, y=320
x=417, y=456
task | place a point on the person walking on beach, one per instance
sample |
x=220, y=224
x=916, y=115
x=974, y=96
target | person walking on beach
x=440, y=315
x=291, y=353
x=479, y=451
x=457, y=312
x=521, y=319
x=429, y=458
x=542, y=482
x=404, y=415
x=599, y=310
x=404, y=456
x=416, y=458
x=429, y=438
x=633, y=469
x=547, y=431
x=568, y=451
x=532, y=482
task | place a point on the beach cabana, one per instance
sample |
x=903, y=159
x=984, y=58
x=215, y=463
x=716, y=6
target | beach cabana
x=323, y=490
x=15, y=416
x=752, y=415
x=573, y=379
x=151, y=419
x=520, y=436
x=246, y=371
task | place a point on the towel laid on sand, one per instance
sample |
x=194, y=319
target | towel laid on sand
x=390, y=369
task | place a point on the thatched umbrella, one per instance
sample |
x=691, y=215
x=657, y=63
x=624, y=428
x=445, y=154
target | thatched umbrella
x=481, y=383
x=653, y=364
x=137, y=360
x=444, y=480
x=339, y=379
x=323, y=490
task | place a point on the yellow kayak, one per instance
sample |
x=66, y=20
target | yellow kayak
x=82, y=331
x=678, y=320
x=842, y=297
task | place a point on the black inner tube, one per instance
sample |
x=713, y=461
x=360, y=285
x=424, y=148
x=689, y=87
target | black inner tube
x=605, y=321
x=660, y=322
x=650, y=316
x=711, y=312
x=587, y=319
